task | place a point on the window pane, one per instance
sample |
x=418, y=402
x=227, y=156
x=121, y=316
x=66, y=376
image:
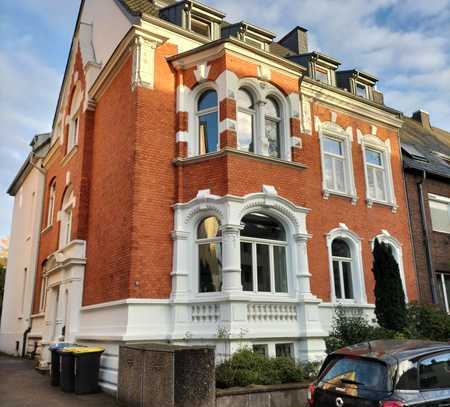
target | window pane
x=279, y=259
x=245, y=131
x=435, y=372
x=373, y=157
x=337, y=280
x=263, y=264
x=263, y=227
x=261, y=349
x=207, y=100
x=339, y=174
x=283, y=350
x=209, y=228
x=440, y=216
x=271, y=108
x=208, y=133
x=361, y=90
x=246, y=266
x=271, y=142
x=332, y=146
x=210, y=267
x=371, y=182
x=322, y=76
x=200, y=27
x=329, y=179
x=381, y=185
x=244, y=99
x=347, y=274
x=340, y=248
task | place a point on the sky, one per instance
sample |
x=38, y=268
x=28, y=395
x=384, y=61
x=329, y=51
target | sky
x=405, y=43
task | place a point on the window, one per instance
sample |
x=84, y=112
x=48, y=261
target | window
x=74, y=119
x=361, y=90
x=376, y=175
x=208, y=122
x=246, y=117
x=322, y=75
x=73, y=133
x=254, y=42
x=209, y=241
x=434, y=372
x=271, y=144
x=443, y=281
x=65, y=236
x=51, y=203
x=342, y=269
x=283, y=350
x=334, y=164
x=201, y=26
x=440, y=213
x=263, y=255
x=261, y=349
x=44, y=282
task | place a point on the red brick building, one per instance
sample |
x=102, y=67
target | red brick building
x=206, y=184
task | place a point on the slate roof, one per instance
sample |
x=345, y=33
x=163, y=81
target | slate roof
x=427, y=142
x=139, y=7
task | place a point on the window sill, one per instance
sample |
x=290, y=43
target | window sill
x=370, y=202
x=69, y=155
x=441, y=232
x=328, y=192
x=233, y=151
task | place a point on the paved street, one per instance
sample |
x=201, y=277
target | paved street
x=22, y=386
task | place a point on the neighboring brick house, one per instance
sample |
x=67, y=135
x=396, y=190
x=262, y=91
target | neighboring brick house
x=206, y=184
x=426, y=158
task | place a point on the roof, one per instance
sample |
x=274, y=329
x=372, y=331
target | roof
x=427, y=144
x=139, y=7
x=393, y=351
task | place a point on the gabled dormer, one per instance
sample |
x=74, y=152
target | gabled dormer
x=252, y=35
x=194, y=16
x=358, y=83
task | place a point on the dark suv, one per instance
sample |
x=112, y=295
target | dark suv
x=386, y=373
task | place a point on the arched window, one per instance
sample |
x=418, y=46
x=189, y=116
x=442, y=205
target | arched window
x=263, y=254
x=209, y=241
x=208, y=122
x=74, y=120
x=271, y=144
x=342, y=269
x=51, y=203
x=246, y=120
x=65, y=231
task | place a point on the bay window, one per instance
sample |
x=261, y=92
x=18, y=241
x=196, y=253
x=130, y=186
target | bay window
x=209, y=242
x=208, y=122
x=263, y=255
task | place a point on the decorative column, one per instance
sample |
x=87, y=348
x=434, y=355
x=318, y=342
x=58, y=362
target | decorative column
x=179, y=274
x=303, y=275
x=143, y=63
x=231, y=259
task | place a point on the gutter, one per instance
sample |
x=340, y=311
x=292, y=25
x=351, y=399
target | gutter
x=427, y=238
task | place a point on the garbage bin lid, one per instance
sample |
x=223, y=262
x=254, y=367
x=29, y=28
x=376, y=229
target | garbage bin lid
x=86, y=349
x=60, y=345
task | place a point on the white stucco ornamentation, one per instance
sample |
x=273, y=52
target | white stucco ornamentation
x=143, y=72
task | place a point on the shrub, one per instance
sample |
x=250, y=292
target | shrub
x=427, y=322
x=246, y=367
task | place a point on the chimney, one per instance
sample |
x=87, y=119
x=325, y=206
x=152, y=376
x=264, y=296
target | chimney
x=423, y=118
x=296, y=40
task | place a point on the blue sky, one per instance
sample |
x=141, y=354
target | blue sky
x=405, y=43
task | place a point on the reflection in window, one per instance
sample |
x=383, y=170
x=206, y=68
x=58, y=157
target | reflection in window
x=284, y=350
x=334, y=163
x=440, y=213
x=361, y=90
x=263, y=254
x=435, y=372
x=246, y=121
x=376, y=174
x=210, y=255
x=342, y=269
x=208, y=122
x=271, y=144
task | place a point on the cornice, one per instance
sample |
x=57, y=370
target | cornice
x=346, y=102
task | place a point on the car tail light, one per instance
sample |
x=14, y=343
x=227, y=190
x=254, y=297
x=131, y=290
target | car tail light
x=310, y=396
x=392, y=404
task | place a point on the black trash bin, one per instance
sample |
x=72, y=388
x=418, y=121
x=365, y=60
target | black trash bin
x=87, y=366
x=55, y=361
x=66, y=373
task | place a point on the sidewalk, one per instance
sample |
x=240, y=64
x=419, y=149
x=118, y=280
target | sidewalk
x=22, y=386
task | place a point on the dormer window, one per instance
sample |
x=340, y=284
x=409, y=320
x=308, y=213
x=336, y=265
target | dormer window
x=254, y=42
x=322, y=75
x=361, y=90
x=200, y=26
x=250, y=34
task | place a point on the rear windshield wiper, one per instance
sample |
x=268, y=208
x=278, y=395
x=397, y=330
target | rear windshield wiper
x=350, y=381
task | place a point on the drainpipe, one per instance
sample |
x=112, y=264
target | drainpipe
x=24, y=339
x=427, y=237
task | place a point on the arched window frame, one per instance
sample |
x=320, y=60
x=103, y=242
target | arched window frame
x=357, y=271
x=200, y=90
x=252, y=113
x=345, y=137
x=397, y=251
x=372, y=142
x=51, y=202
x=66, y=218
x=271, y=244
x=74, y=119
x=203, y=241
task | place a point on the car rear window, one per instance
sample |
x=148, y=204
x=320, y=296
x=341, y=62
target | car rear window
x=357, y=372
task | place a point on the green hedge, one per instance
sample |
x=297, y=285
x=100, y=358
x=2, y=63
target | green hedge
x=246, y=367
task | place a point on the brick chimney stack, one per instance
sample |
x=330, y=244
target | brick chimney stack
x=296, y=40
x=423, y=118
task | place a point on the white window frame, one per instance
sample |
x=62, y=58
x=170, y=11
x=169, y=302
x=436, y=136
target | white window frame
x=203, y=21
x=334, y=131
x=51, y=203
x=278, y=121
x=324, y=71
x=253, y=113
x=443, y=284
x=66, y=217
x=357, y=270
x=43, y=297
x=74, y=119
x=440, y=199
x=366, y=88
x=372, y=142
